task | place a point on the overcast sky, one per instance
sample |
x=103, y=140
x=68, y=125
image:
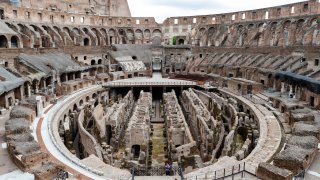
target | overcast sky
x=161, y=9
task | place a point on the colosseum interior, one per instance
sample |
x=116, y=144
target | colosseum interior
x=89, y=92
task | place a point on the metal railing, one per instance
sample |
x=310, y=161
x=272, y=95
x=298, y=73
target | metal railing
x=130, y=84
x=156, y=171
x=240, y=170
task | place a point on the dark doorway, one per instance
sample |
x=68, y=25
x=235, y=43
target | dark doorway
x=108, y=134
x=14, y=42
x=136, y=151
x=86, y=42
x=1, y=14
x=249, y=90
x=3, y=42
x=311, y=101
x=181, y=42
x=157, y=93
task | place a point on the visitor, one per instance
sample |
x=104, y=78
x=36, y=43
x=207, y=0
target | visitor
x=168, y=168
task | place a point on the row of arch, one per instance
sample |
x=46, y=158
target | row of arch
x=12, y=41
x=287, y=32
x=31, y=35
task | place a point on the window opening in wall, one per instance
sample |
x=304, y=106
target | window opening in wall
x=28, y=14
x=84, y=57
x=316, y=62
x=200, y=55
x=86, y=42
x=213, y=20
x=15, y=13
x=137, y=21
x=244, y=16
x=62, y=18
x=14, y=42
x=72, y=19
x=40, y=16
x=6, y=64
x=305, y=7
x=311, y=101
x=3, y=42
x=233, y=17
x=1, y=14
x=267, y=15
x=146, y=21
x=51, y=19
x=292, y=9
x=176, y=21
x=278, y=11
x=181, y=42
x=194, y=20
x=82, y=20
x=303, y=59
x=204, y=19
x=254, y=15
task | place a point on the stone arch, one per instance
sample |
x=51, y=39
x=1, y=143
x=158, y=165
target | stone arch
x=15, y=42
x=156, y=36
x=122, y=36
x=138, y=36
x=76, y=30
x=147, y=35
x=99, y=37
x=100, y=70
x=130, y=36
x=299, y=32
x=202, y=36
x=75, y=107
x=104, y=35
x=181, y=41
x=81, y=102
x=286, y=32
x=93, y=62
x=211, y=36
x=112, y=36
x=99, y=61
x=86, y=41
x=273, y=36
x=85, y=30
x=67, y=30
x=3, y=41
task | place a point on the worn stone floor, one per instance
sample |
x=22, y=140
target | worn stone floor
x=6, y=165
x=313, y=172
x=158, y=153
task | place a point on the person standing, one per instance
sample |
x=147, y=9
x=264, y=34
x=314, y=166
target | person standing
x=168, y=169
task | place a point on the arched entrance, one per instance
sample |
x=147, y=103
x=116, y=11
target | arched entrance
x=86, y=42
x=14, y=42
x=181, y=42
x=3, y=42
x=135, y=150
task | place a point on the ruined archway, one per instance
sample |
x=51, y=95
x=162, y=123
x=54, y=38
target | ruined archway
x=3, y=42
